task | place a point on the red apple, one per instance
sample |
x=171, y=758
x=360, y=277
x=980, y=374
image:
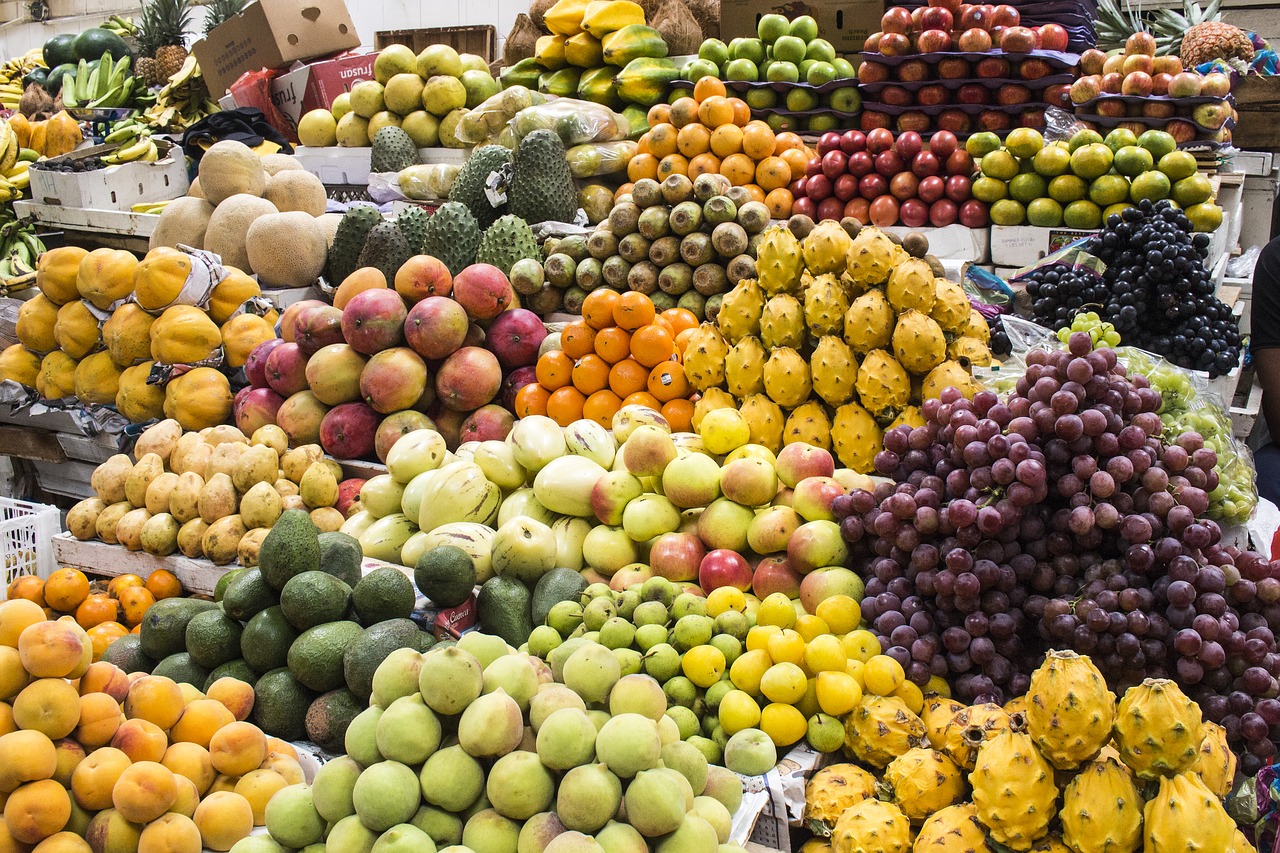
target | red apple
x=894, y=44
x=914, y=213
x=853, y=141
x=974, y=40
x=908, y=145
x=943, y=143
x=1181, y=131
x=992, y=67
x=994, y=120
x=973, y=214
x=1032, y=118
x=953, y=5
x=1160, y=83
x=953, y=68
x=911, y=71
x=930, y=189
x=845, y=187
x=973, y=93
x=1158, y=109
x=858, y=208
x=958, y=188
x=903, y=186
x=1054, y=37
x=1013, y=93
x=1005, y=15
x=873, y=186
x=1058, y=95
x=1137, y=83
x=1018, y=40
x=872, y=43
x=860, y=163
x=829, y=141
x=833, y=163
x=818, y=188
x=878, y=140
x=1091, y=61
x=977, y=16
x=830, y=208
x=873, y=72
x=933, y=95
x=934, y=41
x=884, y=211
x=895, y=20
x=1110, y=83
x=943, y=212
x=873, y=120
x=723, y=567
x=889, y=163
x=937, y=18
x=896, y=96
x=997, y=33
x=954, y=121
x=1138, y=62
x=1113, y=64
x=914, y=120
x=1112, y=108
x=677, y=556
x=925, y=164
x=917, y=15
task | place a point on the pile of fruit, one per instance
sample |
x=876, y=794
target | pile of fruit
x=684, y=242
x=1138, y=90
x=1082, y=182
x=214, y=495
x=16, y=73
x=530, y=764
x=876, y=179
x=426, y=95
x=92, y=753
x=841, y=332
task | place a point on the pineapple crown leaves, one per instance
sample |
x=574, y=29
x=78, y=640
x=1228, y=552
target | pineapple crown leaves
x=163, y=23
x=222, y=10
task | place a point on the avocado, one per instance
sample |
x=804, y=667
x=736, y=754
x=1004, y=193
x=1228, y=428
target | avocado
x=291, y=548
x=60, y=50
x=446, y=575
x=341, y=556
x=126, y=653
x=94, y=42
x=182, y=669
x=164, y=627
x=315, y=658
x=266, y=639
x=383, y=594
x=328, y=718
x=213, y=638
x=220, y=588
x=280, y=705
x=236, y=669
x=35, y=75
x=314, y=598
x=371, y=648
x=554, y=587
x=247, y=595
x=503, y=608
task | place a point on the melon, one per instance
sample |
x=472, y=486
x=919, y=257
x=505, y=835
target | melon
x=329, y=224
x=287, y=249
x=229, y=226
x=194, y=190
x=182, y=222
x=231, y=168
x=295, y=189
x=276, y=163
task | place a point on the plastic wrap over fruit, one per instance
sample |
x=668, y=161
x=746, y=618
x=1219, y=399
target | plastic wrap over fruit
x=575, y=122
x=600, y=158
x=486, y=122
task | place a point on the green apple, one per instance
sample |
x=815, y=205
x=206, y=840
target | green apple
x=772, y=27
x=696, y=69
x=800, y=100
x=846, y=99
x=819, y=73
x=749, y=49
x=742, y=69
x=762, y=98
x=789, y=49
x=821, y=50
x=714, y=50
x=782, y=72
x=844, y=68
x=805, y=28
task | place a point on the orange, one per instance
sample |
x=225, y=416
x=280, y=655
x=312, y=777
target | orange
x=667, y=381
x=642, y=166
x=601, y=407
x=682, y=340
x=642, y=398
x=633, y=310
x=564, y=406
x=554, y=370
x=104, y=634
x=755, y=192
x=739, y=169
x=692, y=140
x=726, y=140
x=779, y=202
x=597, y=308
x=684, y=112
x=651, y=345
x=29, y=587
x=163, y=583
x=135, y=602
x=613, y=344
x=624, y=189
x=716, y=111
x=577, y=339
x=662, y=140
x=706, y=88
x=772, y=173
x=787, y=140
x=679, y=319
x=627, y=377
x=590, y=374
x=704, y=164
x=796, y=159
x=65, y=589
x=123, y=582
x=531, y=400
x=659, y=114
x=96, y=609
x=672, y=164
x=758, y=140
x=741, y=112
x=679, y=414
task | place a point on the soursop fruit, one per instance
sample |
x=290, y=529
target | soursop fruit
x=922, y=781
x=452, y=236
x=826, y=248
x=883, y=385
x=507, y=241
x=782, y=322
x=918, y=343
x=809, y=423
x=911, y=286
x=955, y=828
x=825, y=304
x=412, y=222
x=1013, y=789
x=766, y=420
x=704, y=357
x=779, y=261
x=541, y=184
x=948, y=374
x=741, y=310
x=1183, y=816
x=834, y=370
x=1070, y=710
x=1158, y=729
x=744, y=367
x=786, y=378
x=868, y=324
x=857, y=438
x=872, y=825
x=348, y=242
x=950, y=306
x=880, y=728
x=393, y=150
x=469, y=186
x=386, y=249
x=1102, y=809
x=870, y=258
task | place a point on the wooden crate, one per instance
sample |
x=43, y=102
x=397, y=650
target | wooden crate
x=1257, y=100
x=480, y=40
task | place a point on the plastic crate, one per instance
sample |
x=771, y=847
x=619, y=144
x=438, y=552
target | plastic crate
x=25, y=533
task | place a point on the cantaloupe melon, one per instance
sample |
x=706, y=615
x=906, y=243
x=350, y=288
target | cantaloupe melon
x=194, y=190
x=229, y=226
x=276, y=163
x=329, y=224
x=183, y=221
x=295, y=189
x=287, y=249
x=229, y=168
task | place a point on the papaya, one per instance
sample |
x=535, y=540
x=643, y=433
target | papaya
x=21, y=129
x=644, y=81
x=608, y=16
x=638, y=120
x=598, y=86
x=20, y=364
x=198, y=398
x=565, y=17
x=57, y=269
x=550, y=52
x=633, y=42
x=524, y=73
x=136, y=400
x=583, y=51
x=62, y=135
x=562, y=83
x=97, y=379
x=230, y=293
x=160, y=277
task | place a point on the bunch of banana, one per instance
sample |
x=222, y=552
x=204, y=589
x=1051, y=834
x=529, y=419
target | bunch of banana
x=182, y=102
x=123, y=27
x=142, y=149
x=11, y=94
x=11, y=155
x=13, y=69
x=151, y=207
x=108, y=85
x=19, y=250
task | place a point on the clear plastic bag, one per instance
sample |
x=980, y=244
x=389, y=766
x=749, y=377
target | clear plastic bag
x=427, y=182
x=575, y=122
x=600, y=158
x=484, y=124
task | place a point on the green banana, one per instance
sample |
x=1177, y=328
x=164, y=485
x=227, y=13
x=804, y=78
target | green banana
x=106, y=65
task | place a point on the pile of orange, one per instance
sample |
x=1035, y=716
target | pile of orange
x=712, y=133
x=106, y=612
x=621, y=353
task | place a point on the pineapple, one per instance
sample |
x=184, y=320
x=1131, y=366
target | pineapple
x=219, y=11
x=162, y=39
x=1196, y=34
x=1212, y=40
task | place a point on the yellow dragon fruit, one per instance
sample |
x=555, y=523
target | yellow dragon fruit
x=955, y=829
x=1217, y=763
x=857, y=438
x=765, y=419
x=922, y=781
x=740, y=311
x=970, y=728
x=971, y=350
x=1051, y=843
x=880, y=728
x=910, y=416
x=825, y=304
x=1240, y=844
x=883, y=385
x=870, y=259
x=1102, y=809
x=744, y=367
x=937, y=714
x=977, y=327
x=918, y=343
x=950, y=306
x=779, y=261
x=872, y=826
x=834, y=370
x=786, y=377
x=711, y=399
x=782, y=323
x=1185, y=817
x=832, y=790
x=1013, y=790
x=826, y=248
x=868, y=324
x=704, y=357
x=1071, y=711
x=911, y=286
x=810, y=424
x=948, y=374
x=1158, y=729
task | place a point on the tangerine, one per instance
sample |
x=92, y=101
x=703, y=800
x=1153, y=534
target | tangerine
x=627, y=377
x=601, y=407
x=597, y=308
x=65, y=589
x=679, y=414
x=707, y=87
x=163, y=583
x=651, y=345
x=633, y=310
x=531, y=400
x=613, y=344
x=667, y=381
x=590, y=374
x=564, y=406
x=96, y=609
x=29, y=587
x=554, y=370
x=576, y=339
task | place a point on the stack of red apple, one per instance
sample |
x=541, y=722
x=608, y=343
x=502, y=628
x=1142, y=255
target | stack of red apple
x=877, y=179
x=430, y=354
x=925, y=70
x=1139, y=90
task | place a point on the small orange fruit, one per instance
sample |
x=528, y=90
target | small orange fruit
x=633, y=310
x=779, y=202
x=613, y=344
x=672, y=164
x=65, y=589
x=667, y=381
x=135, y=602
x=576, y=339
x=643, y=398
x=679, y=414
x=643, y=165
x=98, y=608
x=662, y=140
x=29, y=587
x=601, y=407
x=704, y=164
x=122, y=582
x=706, y=87
x=597, y=308
x=564, y=406
x=627, y=377
x=590, y=374
x=531, y=400
x=684, y=112
x=651, y=345
x=163, y=583
x=554, y=370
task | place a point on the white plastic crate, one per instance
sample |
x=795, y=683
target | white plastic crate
x=26, y=533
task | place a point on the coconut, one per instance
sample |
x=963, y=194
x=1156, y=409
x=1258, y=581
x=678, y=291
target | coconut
x=707, y=14
x=521, y=42
x=537, y=13
x=678, y=27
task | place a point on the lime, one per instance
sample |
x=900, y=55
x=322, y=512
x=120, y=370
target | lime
x=1065, y=189
x=1006, y=211
x=1000, y=165
x=1024, y=142
x=1082, y=138
x=1150, y=185
x=1132, y=161
x=1109, y=189
x=1044, y=213
x=1157, y=142
x=1119, y=138
x=1027, y=187
x=989, y=189
x=1204, y=216
x=1091, y=161
x=1051, y=161
x=1192, y=190
x=1082, y=214
x=981, y=144
x=1177, y=165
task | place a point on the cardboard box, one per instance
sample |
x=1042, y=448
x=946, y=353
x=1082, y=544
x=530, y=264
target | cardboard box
x=845, y=24
x=337, y=166
x=115, y=187
x=953, y=242
x=316, y=85
x=1018, y=246
x=273, y=34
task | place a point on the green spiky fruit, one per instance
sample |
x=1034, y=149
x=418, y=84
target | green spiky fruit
x=393, y=150
x=412, y=222
x=469, y=185
x=385, y=248
x=508, y=240
x=542, y=187
x=348, y=242
x=452, y=236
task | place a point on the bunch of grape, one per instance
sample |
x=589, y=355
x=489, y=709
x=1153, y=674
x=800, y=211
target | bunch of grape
x=1059, y=518
x=1099, y=332
x=1155, y=291
x=1000, y=344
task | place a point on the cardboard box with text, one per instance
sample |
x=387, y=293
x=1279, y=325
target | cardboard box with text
x=845, y=24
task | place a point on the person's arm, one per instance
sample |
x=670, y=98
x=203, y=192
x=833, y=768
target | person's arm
x=1264, y=323
x=1266, y=364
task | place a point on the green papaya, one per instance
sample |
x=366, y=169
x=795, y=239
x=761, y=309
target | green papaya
x=523, y=73
x=597, y=85
x=633, y=42
x=638, y=120
x=562, y=83
x=644, y=81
